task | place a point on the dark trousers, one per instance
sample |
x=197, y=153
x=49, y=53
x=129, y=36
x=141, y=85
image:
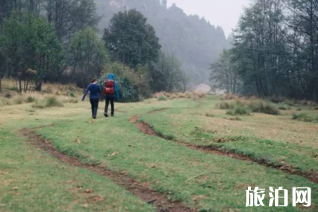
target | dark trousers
x=94, y=104
x=110, y=99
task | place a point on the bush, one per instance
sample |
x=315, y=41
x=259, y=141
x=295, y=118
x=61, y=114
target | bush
x=48, y=102
x=18, y=100
x=133, y=84
x=304, y=117
x=162, y=98
x=259, y=106
x=30, y=99
x=256, y=106
x=53, y=102
x=8, y=96
x=39, y=104
x=239, y=110
x=230, y=97
x=71, y=101
x=225, y=105
x=72, y=94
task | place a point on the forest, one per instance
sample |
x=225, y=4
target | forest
x=274, y=53
x=74, y=41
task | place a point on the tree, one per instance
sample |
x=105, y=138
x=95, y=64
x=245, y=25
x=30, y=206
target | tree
x=167, y=75
x=303, y=41
x=87, y=55
x=30, y=43
x=70, y=16
x=224, y=74
x=260, y=48
x=131, y=40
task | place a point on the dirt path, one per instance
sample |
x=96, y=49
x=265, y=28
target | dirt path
x=147, y=129
x=141, y=190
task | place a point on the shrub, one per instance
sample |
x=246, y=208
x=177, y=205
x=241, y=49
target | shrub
x=48, y=102
x=4, y=101
x=30, y=99
x=70, y=100
x=8, y=95
x=256, y=106
x=49, y=89
x=303, y=117
x=72, y=94
x=225, y=105
x=12, y=88
x=259, y=106
x=239, y=110
x=18, y=100
x=53, y=102
x=162, y=98
x=209, y=115
x=133, y=84
x=39, y=104
x=230, y=97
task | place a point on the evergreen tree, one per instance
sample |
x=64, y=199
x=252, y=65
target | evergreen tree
x=131, y=40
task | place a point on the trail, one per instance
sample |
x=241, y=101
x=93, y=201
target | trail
x=213, y=149
x=139, y=189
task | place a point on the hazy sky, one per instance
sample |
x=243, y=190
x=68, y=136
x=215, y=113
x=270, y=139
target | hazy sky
x=224, y=13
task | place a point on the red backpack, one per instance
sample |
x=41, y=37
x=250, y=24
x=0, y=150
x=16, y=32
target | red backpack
x=109, y=87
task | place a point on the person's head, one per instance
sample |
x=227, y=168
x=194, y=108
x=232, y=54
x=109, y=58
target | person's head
x=94, y=80
x=111, y=76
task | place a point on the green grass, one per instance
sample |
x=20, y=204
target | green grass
x=305, y=117
x=45, y=184
x=33, y=181
x=190, y=130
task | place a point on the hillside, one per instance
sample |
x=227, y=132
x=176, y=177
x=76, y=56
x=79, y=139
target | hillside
x=173, y=153
x=193, y=40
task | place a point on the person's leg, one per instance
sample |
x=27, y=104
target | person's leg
x=92, y=106
x=112, y=105
x=96, y=107
x=106, y=106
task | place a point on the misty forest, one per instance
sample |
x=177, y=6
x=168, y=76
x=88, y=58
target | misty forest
x=272, y=52
x=137, y=106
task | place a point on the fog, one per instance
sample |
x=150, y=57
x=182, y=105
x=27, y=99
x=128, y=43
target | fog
x=223, y=13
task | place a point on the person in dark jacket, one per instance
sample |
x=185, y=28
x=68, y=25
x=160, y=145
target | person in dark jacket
x=94, y=90
x=111, y=94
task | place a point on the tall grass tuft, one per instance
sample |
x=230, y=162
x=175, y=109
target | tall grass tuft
x=48, y=102
x=304, y=117
x=53, y=102
x=260, y=106
x=30, y=99
x=256, y=106
x=162, y=98
x=239, y=110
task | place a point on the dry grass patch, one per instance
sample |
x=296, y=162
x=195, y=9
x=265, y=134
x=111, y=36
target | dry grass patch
x=176, y=95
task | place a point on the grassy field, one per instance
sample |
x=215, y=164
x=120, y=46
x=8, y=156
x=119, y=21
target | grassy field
x=33, y=180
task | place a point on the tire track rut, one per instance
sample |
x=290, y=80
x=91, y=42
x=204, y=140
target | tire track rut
x=213, y=149
x=139, y=189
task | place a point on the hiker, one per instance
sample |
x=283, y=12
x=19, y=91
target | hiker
x=94, y=90
x=111, y=94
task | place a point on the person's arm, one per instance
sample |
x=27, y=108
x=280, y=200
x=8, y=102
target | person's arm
x=117, y=92
x=86, y=92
